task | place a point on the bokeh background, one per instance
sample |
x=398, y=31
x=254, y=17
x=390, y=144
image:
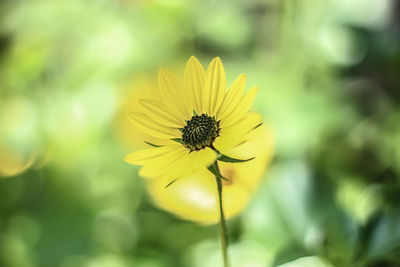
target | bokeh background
x=328, y=73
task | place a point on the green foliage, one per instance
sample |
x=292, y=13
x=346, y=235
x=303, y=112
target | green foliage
x=328, y=78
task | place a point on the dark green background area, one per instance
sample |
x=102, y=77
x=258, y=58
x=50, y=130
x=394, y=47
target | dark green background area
x=328, y=82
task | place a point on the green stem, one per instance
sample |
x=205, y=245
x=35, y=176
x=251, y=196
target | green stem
x=222, y=221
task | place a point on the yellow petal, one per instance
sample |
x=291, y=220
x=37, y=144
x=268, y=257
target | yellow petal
x=192, y=162
x=234, y=135
x=232, y=97
x=175, y=168
x=194, y=82
x=242, y=108
x=204, y=157
x=215, y=85
x=179, y=164
x=174, y=94
x=148, y=126
x=141, y=157
x=159, y=166
x=159, y=113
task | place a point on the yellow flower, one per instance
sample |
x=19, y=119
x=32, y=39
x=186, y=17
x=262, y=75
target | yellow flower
x=198, y=121
x=14, y=162
x=129, y=136
x=195, y=197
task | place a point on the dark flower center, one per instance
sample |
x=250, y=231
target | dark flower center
x=200, y=132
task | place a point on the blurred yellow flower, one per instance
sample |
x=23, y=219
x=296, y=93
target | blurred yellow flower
x=14, y=162
x=198, y=122
x=127, y=133
x=19, y=138
x=195, y=197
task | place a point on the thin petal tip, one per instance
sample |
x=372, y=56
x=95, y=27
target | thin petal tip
x=216, y=59
x=254, y=88
x=127, y=159
x=193, y=62
x=192, y=58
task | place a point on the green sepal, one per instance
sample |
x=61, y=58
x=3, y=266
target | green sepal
x=194, y=113
x=225, y=158
x=180, y=129
x=170, y=183
x=258, y=126
x=217, y=173
x=178, y=140
x=152, y=144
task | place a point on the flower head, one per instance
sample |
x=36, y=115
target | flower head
x=199, y=122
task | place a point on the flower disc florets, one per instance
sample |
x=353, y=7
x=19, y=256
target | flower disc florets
x=200, y=132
